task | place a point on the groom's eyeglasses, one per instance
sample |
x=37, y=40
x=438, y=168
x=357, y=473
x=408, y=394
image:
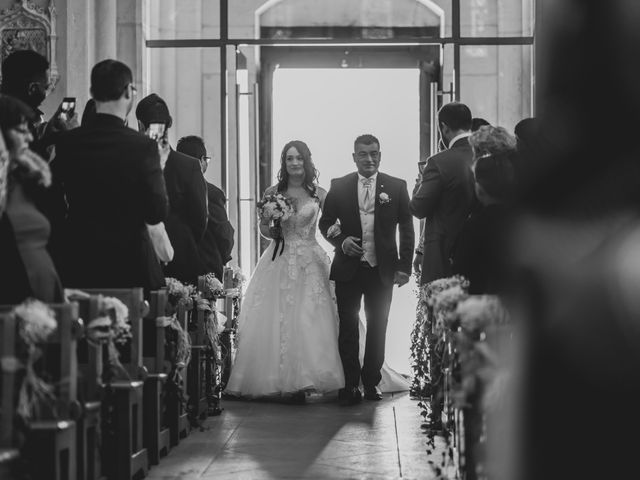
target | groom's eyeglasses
x=205, y=158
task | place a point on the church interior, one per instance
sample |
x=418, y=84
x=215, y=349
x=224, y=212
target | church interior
x=541, y=384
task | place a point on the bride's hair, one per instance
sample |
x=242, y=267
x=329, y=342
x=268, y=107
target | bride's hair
x=310, y=172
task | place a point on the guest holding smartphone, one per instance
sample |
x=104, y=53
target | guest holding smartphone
x=187, y=193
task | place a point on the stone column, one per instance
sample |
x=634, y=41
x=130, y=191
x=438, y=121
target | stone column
x=130, y=43
x=78, y=55
x=105, y=29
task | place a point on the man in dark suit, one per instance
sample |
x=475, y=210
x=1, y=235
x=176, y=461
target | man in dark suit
x=187, y=192
x=370, y=207
x=112, y=182
x=445, y=196
x=217, y=243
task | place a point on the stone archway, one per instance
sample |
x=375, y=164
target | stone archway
x=364, y=18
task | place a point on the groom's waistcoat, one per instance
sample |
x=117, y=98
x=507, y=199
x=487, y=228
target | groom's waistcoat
x=391, y=211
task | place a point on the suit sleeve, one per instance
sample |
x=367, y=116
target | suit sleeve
x=407, y=233
x=426, y=196
x=220, y=225
x=330, y=216
x=155, y=202
x=197, y=202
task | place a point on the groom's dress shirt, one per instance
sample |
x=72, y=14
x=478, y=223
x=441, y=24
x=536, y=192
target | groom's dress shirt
x=367, y=204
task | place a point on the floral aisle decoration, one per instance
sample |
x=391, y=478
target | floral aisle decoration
x=424, y=335
x=213, y=290
x=177, y=340
x=276, y=208
x=35, y=323
x=465, y=355
x=178, y=295
x=111, y=327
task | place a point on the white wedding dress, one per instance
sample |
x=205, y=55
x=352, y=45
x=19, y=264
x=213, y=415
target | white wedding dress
x=288, y=323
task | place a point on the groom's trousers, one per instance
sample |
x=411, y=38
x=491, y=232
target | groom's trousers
x=377, y=301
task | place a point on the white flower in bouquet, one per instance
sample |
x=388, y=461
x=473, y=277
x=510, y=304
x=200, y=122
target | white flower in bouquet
x=275, y=207
x=479, y=311
x=37, y=321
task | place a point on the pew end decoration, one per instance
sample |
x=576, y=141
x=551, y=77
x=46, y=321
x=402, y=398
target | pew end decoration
x=35, y=324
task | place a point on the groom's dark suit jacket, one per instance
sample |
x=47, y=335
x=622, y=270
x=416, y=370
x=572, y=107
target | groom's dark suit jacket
x=342, y=204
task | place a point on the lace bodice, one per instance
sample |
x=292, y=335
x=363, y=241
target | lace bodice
x=301, y=226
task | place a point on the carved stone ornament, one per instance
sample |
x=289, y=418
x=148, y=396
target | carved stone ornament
x=27, y=26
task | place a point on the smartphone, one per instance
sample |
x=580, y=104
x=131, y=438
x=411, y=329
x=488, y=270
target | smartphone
x=68, y=105
x=156, y=131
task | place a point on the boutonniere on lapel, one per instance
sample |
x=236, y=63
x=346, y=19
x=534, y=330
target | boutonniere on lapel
x=383, y=198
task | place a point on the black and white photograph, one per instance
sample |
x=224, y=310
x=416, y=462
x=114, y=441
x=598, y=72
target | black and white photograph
x=319, y=239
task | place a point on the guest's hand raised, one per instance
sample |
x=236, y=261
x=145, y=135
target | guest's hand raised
x=351, y=247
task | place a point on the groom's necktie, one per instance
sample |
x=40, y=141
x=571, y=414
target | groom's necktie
x=367, y=183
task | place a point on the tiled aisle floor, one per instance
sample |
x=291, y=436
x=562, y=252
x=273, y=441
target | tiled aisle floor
x=319, y=440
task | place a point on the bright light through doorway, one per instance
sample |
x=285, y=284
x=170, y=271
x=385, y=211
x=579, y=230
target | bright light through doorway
x=328, y=109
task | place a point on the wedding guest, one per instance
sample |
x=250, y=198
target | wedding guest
x=217, y=243
x=479, y=254
x=25, y=75
x=187, y=190
x=477, y=122
x=27, y=269
x=113, y=184
x=445, y=196
x=89, y=112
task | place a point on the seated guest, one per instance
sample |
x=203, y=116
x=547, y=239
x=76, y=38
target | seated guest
x=479, y=252
x=27, y=269
x=217, y=243
x=477, y=122
x=112, y=182
x=187, y=193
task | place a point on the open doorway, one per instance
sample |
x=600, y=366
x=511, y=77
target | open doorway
x=328, y=108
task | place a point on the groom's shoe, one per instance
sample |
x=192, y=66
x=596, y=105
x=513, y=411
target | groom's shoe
x=372, y=393
x=349, y=396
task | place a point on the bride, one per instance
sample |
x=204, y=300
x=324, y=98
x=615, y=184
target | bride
x=288, y=324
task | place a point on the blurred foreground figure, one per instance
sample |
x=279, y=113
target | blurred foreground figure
x=576, y=264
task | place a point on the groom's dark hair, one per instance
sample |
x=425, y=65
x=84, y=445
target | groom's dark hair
x=365, y=139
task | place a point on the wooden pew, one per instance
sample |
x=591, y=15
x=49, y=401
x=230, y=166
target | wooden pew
x=91, y=385
x=197, y=368
x=212, y=372
x=9, y=455
x=156, y=436
x=49, y=451
x=179, y=425
x=228, y=336
x=124, y=456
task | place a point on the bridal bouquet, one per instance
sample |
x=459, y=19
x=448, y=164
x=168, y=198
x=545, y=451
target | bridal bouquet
x=275, y=208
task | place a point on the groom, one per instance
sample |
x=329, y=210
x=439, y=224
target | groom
x=370, y=207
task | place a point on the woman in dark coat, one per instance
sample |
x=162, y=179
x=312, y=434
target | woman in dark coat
x=27, y=269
